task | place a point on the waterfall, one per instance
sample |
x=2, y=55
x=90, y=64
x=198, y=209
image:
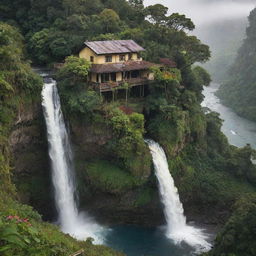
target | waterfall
x=79, y=225
x=176, y=229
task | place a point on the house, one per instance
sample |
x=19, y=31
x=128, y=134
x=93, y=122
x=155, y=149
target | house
x=115, y=63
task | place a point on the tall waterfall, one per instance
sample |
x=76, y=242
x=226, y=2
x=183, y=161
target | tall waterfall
x=71, y=221
x=177, y=229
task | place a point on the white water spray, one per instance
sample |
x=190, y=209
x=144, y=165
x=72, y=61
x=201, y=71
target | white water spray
x=76, y=224
x=177, y=229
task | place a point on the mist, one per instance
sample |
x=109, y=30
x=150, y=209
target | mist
x=219, y=23
x=203, y=12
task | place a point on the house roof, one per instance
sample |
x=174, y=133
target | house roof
x=114, y=46
x=121, y=67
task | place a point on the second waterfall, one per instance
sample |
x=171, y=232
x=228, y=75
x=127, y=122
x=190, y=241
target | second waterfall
x=71, y=221
x=177, y=229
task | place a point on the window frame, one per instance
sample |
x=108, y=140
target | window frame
x=122, y=57
x=108, y=58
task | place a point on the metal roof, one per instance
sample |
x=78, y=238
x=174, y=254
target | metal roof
x=120, y=67
x=114, y=46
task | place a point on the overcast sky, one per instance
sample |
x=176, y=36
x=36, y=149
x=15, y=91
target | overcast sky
x=208, y=11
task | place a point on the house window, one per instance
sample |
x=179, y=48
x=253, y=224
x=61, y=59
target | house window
x=108, y=58
x=122, y=57
x=135, y=74
x=105, y=77
x=130, y=56
x=92, y=59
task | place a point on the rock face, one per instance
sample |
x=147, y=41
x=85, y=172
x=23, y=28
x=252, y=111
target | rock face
x=32, y=175
x=110, y=206
x=138, y=204
x=31, y=169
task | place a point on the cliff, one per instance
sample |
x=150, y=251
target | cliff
x=239, y=91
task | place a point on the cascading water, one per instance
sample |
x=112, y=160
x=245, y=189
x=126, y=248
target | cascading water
x=177, y=229
x=71, y=221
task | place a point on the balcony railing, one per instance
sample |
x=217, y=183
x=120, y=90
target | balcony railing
x=109, y=86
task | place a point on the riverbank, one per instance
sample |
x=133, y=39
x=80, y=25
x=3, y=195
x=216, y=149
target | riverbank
x=238, y=130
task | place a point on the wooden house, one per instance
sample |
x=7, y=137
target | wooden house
x=115, y=63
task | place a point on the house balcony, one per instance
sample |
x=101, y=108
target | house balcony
x=111, y=85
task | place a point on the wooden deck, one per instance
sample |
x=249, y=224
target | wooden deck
x=111, y=85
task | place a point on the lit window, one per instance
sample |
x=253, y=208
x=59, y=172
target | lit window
x=122, y=57
x=92, y=59
x=108, y=58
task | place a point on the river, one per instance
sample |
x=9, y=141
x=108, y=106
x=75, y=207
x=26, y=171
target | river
x=238, y=130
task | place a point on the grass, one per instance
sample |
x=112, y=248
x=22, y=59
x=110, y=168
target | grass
x=110, y=178
x=40, y=238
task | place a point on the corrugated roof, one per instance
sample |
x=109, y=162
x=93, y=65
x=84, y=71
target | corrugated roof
x=114, y=46
x=120, y=67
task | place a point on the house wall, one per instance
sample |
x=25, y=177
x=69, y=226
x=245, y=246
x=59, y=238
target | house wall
x=86, y=53
x=119, y=76
x=94, y=77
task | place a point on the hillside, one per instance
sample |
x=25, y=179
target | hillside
x=116, y=182
x=239, y=92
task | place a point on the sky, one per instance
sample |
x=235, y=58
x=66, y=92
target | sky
x=204, y=12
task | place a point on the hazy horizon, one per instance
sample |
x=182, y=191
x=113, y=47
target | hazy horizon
x=203, y=12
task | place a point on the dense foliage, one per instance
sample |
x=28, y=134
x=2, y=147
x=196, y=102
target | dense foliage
x=208, y=171
x=56, y=29
x=239, y=92
x=238, y=235
x=22, y=231
x=17, y=85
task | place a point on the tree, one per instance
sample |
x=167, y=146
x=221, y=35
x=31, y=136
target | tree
x=109, y=21
x=180, y=22
x=238, y=235
x=39, y=45
x=75, y=68
x=157, y=13
x=202, y=76
x=194, y=51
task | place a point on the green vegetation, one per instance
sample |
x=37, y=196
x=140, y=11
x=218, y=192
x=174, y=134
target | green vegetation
x=238, y=235
x=77, y=97
x=110, y=178
x=145, y=197
x=208, y=171
x=22, y=232
x=17, y=84
x=56, y=29
x=239, y=92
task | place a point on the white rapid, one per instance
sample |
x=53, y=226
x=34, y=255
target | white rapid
x=71, y=221
x=177, y=229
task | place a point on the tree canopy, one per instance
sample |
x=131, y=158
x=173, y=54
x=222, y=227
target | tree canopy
x=55, y=29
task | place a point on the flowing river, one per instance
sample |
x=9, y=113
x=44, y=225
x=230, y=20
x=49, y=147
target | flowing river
x=238, y=130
